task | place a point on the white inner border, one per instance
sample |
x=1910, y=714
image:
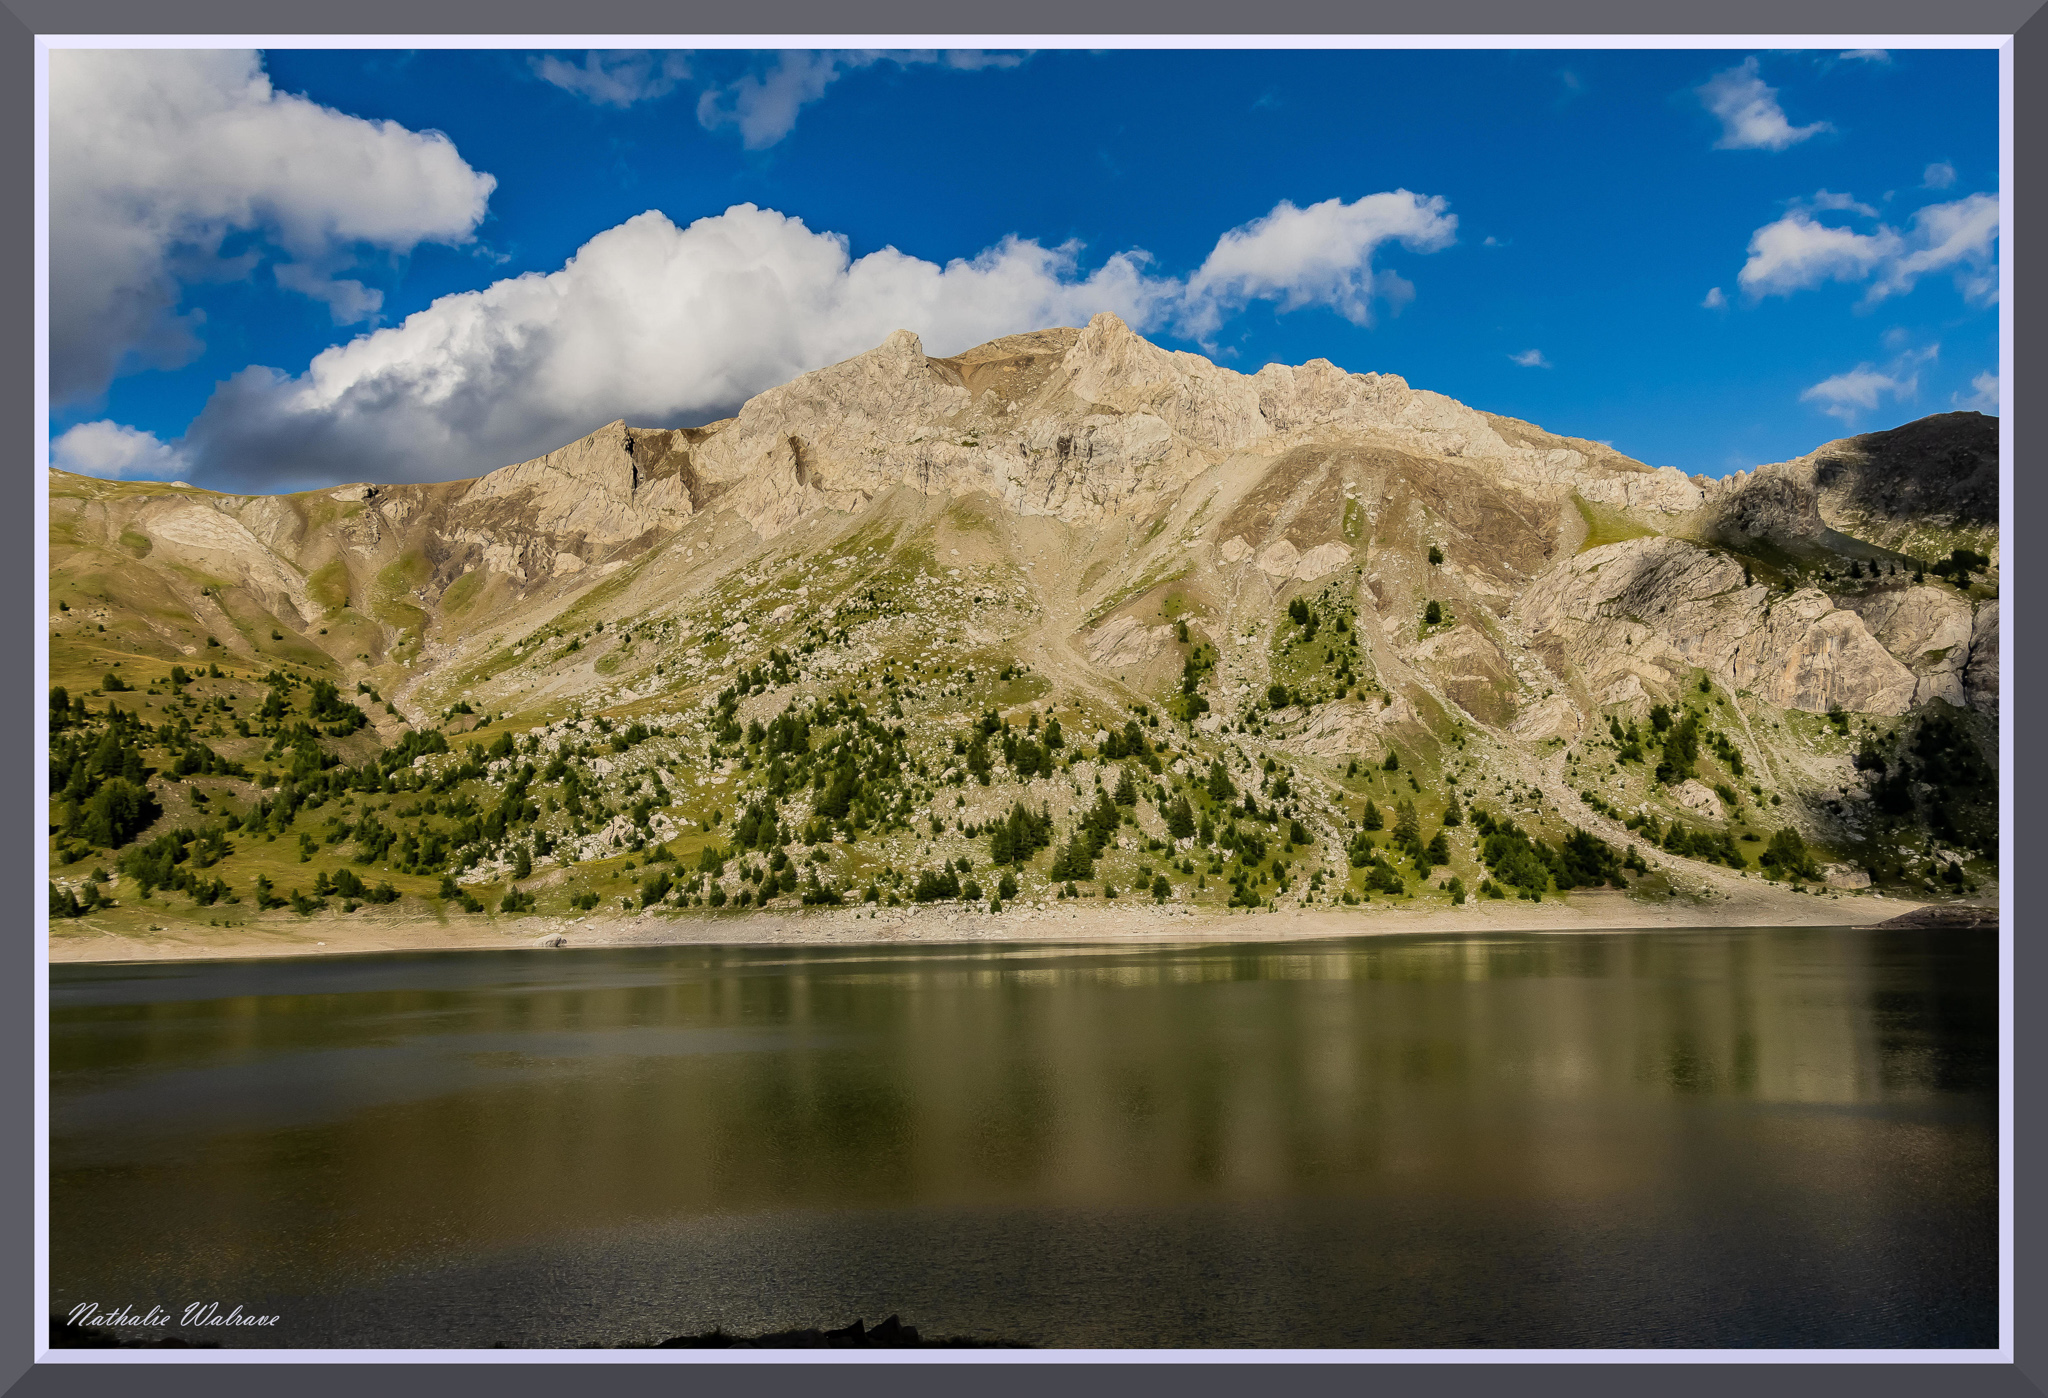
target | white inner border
x=40, y=815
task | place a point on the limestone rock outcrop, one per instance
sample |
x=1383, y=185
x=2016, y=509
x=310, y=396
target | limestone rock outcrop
x=1650, y=608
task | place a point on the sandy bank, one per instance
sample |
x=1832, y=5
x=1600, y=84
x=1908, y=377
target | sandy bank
x=284, y=934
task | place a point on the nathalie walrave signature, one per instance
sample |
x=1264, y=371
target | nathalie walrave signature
x=199, y=1313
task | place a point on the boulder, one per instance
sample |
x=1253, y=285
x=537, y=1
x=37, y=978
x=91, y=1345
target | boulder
x=1698, y=798
x=1321, y=561
x=1122, y=641
x=1277, y=559
x=1349, y=728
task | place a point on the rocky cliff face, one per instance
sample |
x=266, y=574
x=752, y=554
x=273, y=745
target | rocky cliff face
x=1102, y=511
x=1921, y=490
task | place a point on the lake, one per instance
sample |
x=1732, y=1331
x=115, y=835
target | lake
x=1726, y=1138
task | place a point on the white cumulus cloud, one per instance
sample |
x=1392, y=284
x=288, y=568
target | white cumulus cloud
x=1939, y=175
x=1715, y=299
x=1320, y=255
x=1531, y=359
x=113, y=451
x=615, y=77
x=1797, y=251
x=1961, y=235
x=1983, y=395
x=1845, y=396
x=157, y=155
x=1748, y=109
x=661, y=324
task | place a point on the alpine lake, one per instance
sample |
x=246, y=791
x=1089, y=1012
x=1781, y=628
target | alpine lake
x=1752, y=1138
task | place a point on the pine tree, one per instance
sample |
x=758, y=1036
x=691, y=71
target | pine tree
x=1406, y=829
x=1126, y=792
x=1074, y=861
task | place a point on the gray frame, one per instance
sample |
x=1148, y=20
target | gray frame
x=26, y=18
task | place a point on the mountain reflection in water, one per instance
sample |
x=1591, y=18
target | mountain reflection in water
x=1719, y=1138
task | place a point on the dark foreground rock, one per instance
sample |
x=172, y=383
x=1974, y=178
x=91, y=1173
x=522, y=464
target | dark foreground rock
x=1948, y=915
x=66, y=1335
x=890, y=1334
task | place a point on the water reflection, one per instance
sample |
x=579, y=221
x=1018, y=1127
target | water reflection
x=1732, y=1098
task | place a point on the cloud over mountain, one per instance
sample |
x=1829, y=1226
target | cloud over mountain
x=1322, y=254
x=1797, y=251
x=159, y=156
x=112, y=451
x=668, y=325
x=1845, y=396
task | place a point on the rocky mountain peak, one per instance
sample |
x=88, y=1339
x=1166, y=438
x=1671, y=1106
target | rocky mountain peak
x=1305, y=563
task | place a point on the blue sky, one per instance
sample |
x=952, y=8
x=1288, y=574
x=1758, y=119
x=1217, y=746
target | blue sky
x=1709, y=259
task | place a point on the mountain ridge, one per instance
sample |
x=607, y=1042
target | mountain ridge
x=1134, y=529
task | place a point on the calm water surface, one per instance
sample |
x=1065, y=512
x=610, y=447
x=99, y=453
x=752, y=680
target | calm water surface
x=1725, y=1138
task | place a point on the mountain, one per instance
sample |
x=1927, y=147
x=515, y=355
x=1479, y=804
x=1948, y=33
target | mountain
x=1277, y=583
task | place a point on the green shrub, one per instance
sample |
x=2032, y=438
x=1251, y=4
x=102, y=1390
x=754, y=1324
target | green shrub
x=1786, y=856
